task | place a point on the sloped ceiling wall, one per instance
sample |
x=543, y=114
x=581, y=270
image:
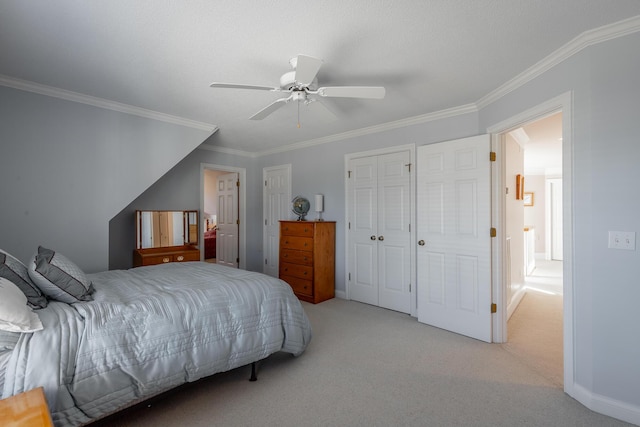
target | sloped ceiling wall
x=67, y=168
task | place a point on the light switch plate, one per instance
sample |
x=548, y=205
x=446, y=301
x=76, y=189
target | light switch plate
x=622, y=240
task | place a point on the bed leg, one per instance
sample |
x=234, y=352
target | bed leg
x=253, y=372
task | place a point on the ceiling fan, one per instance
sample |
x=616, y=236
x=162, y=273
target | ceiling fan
x=301, y=85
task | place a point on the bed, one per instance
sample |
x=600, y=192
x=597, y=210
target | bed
x=146, y=330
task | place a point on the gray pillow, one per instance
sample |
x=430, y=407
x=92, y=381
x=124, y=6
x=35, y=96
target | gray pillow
x=16, y=272
x=59, y=278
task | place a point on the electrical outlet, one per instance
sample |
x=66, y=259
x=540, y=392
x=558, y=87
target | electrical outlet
x=622, y=240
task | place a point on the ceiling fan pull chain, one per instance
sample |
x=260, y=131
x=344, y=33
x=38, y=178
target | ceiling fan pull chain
x=298, y=102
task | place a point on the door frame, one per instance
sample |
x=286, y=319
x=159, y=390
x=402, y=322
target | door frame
x=563, y=103
x=242, y=213
x=412, y=209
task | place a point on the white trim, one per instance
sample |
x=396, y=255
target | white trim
x=607, y=406
x=412, y=206
x=584, y=40
x=563, y=103
x=410, y=121
x=242, y=210
x=68, y=95
x=225, y=150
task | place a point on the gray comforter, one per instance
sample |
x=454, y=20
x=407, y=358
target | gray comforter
x=150, y=329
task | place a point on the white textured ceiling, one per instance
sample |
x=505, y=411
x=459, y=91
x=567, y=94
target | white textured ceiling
x=161, y=55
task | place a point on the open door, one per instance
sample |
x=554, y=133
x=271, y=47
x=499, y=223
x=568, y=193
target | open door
x=228, y=224
x=454, y=240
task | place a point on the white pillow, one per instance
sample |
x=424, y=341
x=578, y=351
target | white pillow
x=15, y=314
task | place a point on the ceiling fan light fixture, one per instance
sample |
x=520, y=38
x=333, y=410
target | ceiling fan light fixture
x=302, y=85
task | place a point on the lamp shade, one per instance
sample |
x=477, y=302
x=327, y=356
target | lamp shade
x=319, y=203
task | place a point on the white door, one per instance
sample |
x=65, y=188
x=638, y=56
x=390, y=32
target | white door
x=454, y=243
x=380, y=239
x=227, y=230
x=555, y=223
x=276, y=197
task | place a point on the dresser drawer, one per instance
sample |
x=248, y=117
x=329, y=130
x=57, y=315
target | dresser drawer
x=187, y=256
x=296, y=270
x=297, y=229
x=299, y=243
x=157, y=259
x=299, y=286
x=297, y=257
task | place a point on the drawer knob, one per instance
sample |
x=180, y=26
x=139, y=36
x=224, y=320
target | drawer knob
x=180, y=258
x=166, y=259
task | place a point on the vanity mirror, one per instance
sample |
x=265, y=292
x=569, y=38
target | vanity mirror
x=158, y=229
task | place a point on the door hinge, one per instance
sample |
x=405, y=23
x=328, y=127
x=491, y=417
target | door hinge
x=494, y=307
x=349, y=174
x=238, y=260
x=493, y=232
x=237, y=221
x=492, y=156
x=237, y=183
x=409, y=287
x=349, y=276
x=265, y=222
x=265, y=182
x=265, y=261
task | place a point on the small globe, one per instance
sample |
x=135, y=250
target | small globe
x=300, y=207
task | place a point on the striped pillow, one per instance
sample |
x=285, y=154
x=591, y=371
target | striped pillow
x=16, y=272
x=59, y=278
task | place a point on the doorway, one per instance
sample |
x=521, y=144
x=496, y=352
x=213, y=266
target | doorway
x=210, y=217
x=535, y=324
x=500, y=262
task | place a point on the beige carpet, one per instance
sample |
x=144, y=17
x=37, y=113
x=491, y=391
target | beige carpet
x=535, y=334
x=368, y=366
x=535, y=328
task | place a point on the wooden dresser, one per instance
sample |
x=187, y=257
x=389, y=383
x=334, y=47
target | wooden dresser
x=307, y=258
x=152, y=256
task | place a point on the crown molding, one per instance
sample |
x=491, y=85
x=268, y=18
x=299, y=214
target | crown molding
x=68, y=95
x=225, y=150
x=410, y=121
x=584, y=40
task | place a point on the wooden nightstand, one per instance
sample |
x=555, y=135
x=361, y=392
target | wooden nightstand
x=28, y=409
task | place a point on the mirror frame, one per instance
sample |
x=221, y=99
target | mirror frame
x=190, y=228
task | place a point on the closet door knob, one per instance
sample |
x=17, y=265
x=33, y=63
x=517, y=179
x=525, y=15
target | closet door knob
x=421, y=242
x=373, y=237
x=381, y=238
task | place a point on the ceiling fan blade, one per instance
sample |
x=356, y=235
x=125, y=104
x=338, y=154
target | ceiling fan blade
x=370, y=92
x=307, y=68
x=270, y=108
x=242, y=86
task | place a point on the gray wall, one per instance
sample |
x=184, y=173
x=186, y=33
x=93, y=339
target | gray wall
x=67, y=168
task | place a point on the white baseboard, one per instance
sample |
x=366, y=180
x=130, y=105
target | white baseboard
x=605, y=405
x=515, y=301
x=341, y=294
